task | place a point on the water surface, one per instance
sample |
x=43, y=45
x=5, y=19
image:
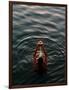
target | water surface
x=31, y=23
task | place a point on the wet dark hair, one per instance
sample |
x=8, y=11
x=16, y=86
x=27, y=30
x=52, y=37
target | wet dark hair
x=40, y=60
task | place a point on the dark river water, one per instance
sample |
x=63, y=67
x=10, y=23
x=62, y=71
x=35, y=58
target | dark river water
x=31, y=23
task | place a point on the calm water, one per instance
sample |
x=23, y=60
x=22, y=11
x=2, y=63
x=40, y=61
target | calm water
x=29, y=24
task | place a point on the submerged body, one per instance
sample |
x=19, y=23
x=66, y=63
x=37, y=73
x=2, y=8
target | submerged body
x=40, y=58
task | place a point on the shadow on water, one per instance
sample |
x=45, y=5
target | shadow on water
x=27, y=75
